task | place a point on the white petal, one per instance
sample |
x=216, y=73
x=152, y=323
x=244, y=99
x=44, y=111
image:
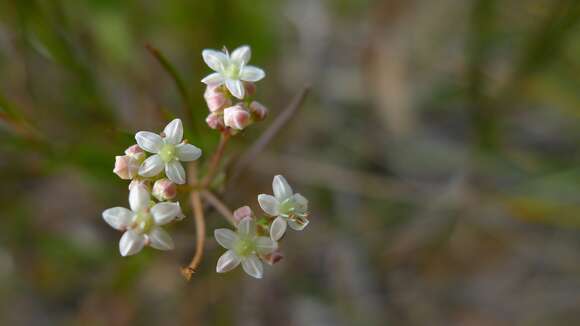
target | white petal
x=278, y=228
x=247, y=227
x=252, y=74
x=300, y=204
x=235, y=87
x=226, y=237
x=216, y=60
x=241, y=55
x=152, y=166
x=175, y=172
x=131, y=243
x=149, y=141
x=228, y=261
x=173, y=132
x=215, y=78
x=160, y=239
x=265, y=245
x=253, y=266
x=187, y=152
x=139, y=198
x=282, y=189
x=269, y=204
x=165, y=212
x=299, y=224
x=118, y=217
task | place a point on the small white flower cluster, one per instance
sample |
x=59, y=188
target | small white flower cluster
x=256, y=240
x=233, y=80
x=158, y=175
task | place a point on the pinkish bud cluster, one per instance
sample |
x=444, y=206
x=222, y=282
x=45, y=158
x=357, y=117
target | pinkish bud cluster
x=227, y=116
x=127, y=166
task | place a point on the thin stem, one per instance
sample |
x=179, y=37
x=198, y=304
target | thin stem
x=178, y=83
x=199, y=224
x=219, y=206
x=215, y=160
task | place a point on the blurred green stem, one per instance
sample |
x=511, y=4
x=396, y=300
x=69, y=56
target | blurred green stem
x=168, y=67
x=483, y=113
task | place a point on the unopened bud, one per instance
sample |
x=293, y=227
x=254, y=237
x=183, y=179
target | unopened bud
x=236, y=117
x=242, y=212
x=216, y=98
x=215, y=121
x=259, y=111
x=135, y=152
x=250, y=88
x=126, y=167
x=273, y=258
x=164, y=189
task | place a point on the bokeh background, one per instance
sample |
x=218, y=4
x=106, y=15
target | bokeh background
x=439, y=148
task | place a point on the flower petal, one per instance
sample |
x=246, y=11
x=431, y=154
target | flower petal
x=228, y=261
x=253, y=266
x=160, y=239
x=152, y=166
x=278, y=228
x=282, y=189
x=139, y=198
x=173, y=132
x=118, y=217
x=265, y=245
x=165, y=212
x=216, y=60
x=299, y=223
x=269, y=204
x=149, y=141
x=247, y=227
x=131, y=243
x=242, y=54
x=236, y=87
x=252, y=74
x=213, y=79
x=187, y=152
x=226, y=237
x=300, y=204
x=175, y=172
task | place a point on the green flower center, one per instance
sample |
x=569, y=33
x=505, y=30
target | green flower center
x=232, y=71
x=168, y=153
x=286, y=207
x=244, y=247
x=143, y=222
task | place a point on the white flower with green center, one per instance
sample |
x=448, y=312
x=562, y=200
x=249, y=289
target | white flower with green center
x=169, y=152
x=142, y=223
x=288, y=208
x=243, y=247
x=231, y=70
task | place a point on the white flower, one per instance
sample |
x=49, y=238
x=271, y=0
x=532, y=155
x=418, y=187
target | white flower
x=231, y=70
x=142, y=223
x=169, y=151
x=243, y=247
x=288, y=207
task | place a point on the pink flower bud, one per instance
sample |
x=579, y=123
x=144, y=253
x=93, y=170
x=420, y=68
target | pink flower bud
x=242, y=212
x=126, y=167
x=250, y=88
x=216, y=98
x=163, y=190
x=215, y=121
x=273, y=257
x=135, y=152
x=259, y=111
x=236, y=117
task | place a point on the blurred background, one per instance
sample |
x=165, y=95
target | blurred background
x=439, y=148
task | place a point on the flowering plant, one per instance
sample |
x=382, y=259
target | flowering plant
x=155, y=167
